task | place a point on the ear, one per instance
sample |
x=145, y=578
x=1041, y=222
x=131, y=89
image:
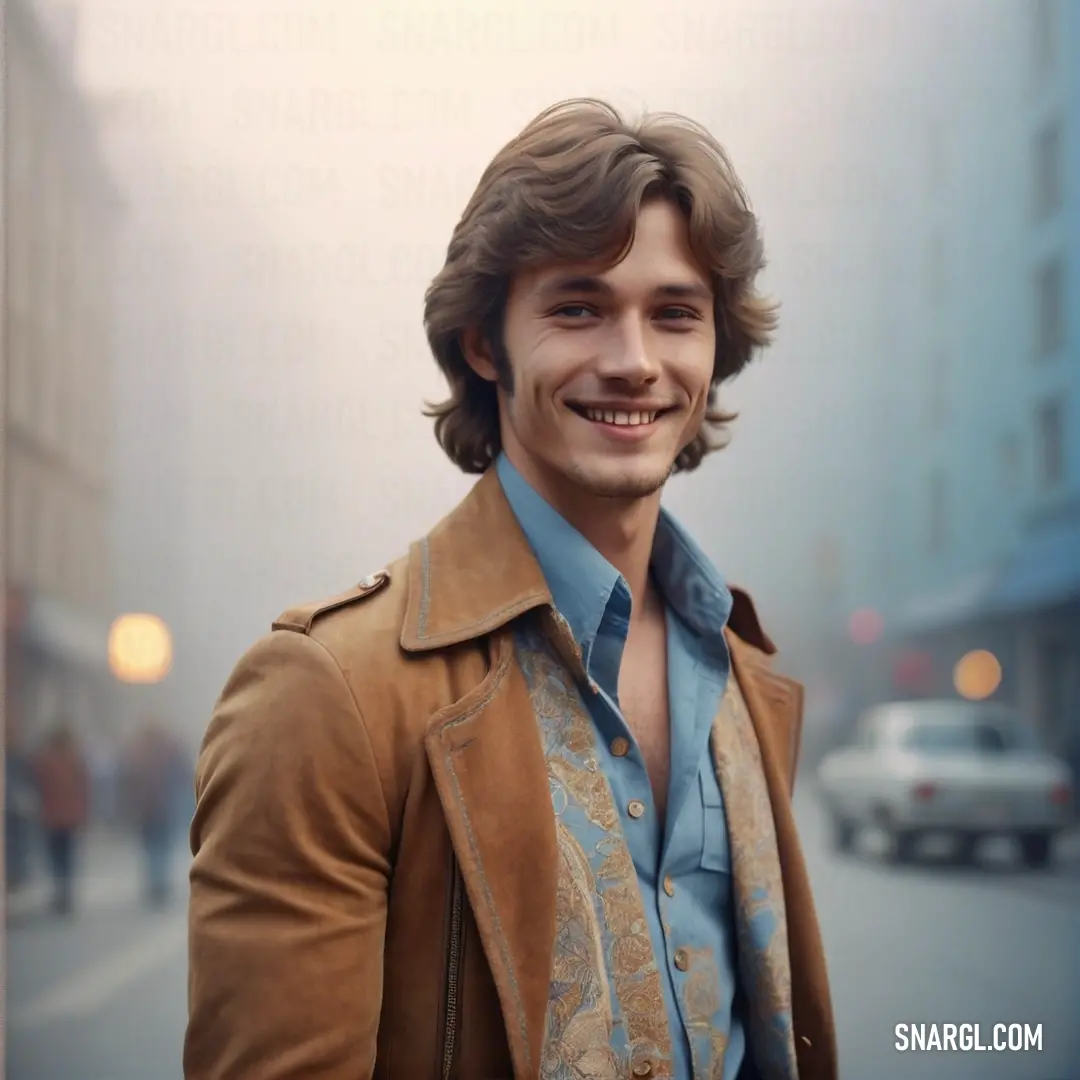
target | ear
x=477, y=353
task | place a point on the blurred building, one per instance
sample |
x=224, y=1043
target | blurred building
x=977, y=537
x=1038, y=592
x=62, y=212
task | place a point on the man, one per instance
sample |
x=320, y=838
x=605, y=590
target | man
x=519, y=804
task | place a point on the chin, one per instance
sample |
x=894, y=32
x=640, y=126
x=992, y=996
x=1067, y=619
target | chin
x=620, y=480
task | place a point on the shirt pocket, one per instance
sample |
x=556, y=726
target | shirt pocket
x=715, y=850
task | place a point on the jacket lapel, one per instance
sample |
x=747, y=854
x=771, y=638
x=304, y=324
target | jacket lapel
x=761, y=919
x=469, y=578
x=775, y=705
x=489, y=770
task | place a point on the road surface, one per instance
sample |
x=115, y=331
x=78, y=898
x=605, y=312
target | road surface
x=102, y=997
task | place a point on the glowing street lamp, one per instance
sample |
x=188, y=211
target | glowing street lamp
x=140, y=649
x=977, y=675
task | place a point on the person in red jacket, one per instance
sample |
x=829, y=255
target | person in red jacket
x=64, y=793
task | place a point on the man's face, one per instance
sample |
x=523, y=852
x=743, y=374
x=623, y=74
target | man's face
x=611, y=367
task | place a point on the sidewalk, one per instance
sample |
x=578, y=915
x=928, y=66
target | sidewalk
x=110, y=872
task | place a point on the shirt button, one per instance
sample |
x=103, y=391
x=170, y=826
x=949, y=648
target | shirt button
x=635, y=808
x=682, y=959
x=669, y=886
x=620, y=747
x=643, y=1068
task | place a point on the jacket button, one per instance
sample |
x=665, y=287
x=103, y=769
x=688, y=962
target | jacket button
x=620, y=747
x=669, y=886
x=643, y=1068
x=682, y=959
x=635, y=808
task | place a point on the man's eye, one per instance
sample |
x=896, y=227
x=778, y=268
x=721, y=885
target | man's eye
x=574, y=311
x=679, y=313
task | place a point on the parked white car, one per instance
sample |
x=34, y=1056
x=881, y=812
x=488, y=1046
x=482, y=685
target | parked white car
x=967, y=769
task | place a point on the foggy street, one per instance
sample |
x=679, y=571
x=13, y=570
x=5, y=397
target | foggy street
x=930, y=944
x=104, y=997
x=101, y=996
x=254, y=256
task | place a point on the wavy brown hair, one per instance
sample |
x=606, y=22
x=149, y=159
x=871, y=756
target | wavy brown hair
x=568, y=189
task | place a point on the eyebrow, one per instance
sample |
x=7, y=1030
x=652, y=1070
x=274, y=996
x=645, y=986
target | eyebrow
x=588, y=285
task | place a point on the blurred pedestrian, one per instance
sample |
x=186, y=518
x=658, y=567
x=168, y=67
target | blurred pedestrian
x=63, y=787
x=155, y=773
x=20, y=812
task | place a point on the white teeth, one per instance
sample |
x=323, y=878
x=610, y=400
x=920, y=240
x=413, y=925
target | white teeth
x=621, y=419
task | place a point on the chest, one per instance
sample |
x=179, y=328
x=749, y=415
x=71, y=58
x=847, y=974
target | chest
x=643, y=696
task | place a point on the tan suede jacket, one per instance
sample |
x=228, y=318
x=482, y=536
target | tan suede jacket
x=373, y=885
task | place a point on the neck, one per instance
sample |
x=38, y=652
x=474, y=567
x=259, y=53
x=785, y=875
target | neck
x=623, y=533
x=622, y=530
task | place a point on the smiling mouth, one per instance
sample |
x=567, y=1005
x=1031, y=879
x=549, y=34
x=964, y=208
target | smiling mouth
x=619, y=417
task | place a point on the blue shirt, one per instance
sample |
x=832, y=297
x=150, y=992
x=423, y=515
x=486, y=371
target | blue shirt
x=689, y=856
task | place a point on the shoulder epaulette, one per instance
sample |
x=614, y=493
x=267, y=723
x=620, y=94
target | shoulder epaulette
x=300, y=619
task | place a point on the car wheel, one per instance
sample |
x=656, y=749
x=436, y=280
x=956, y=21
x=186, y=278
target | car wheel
x=1035, y=849
x=967, y=845
x=843, y=834
x=903, y=845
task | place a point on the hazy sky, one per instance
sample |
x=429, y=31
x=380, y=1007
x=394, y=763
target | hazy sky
x=293, y=172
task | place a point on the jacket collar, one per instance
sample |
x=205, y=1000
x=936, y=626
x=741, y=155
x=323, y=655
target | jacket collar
x=475, y=572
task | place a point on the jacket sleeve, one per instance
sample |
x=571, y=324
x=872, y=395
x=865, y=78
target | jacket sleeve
x=291, y=842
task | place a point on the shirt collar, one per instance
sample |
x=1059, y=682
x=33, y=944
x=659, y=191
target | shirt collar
x=581, y=580
x=689, y=581
x=583, y=583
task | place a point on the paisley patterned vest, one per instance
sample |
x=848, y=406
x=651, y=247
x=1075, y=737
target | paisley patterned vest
x=606, y=1018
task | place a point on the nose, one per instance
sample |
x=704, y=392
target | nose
x=629, y=356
